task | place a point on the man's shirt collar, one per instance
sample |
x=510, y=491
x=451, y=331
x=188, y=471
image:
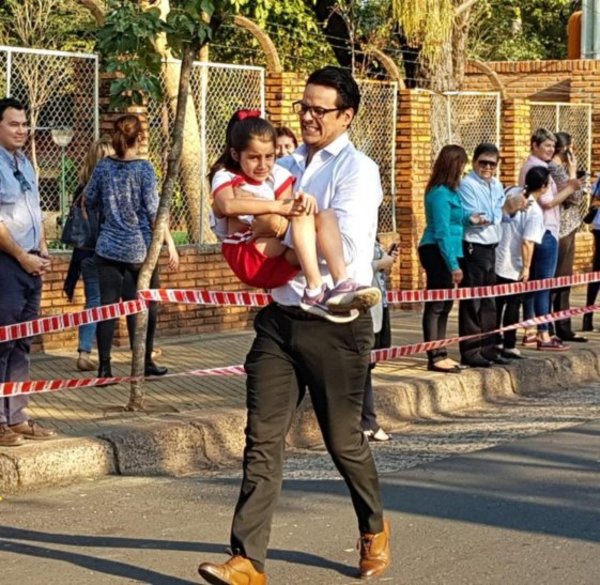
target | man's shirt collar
x=333, y=149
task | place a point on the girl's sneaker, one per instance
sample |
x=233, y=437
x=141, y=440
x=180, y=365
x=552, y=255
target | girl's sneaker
x=318, y=306
x=348, y=295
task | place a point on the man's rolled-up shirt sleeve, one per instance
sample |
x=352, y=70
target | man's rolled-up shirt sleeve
x=356, y=202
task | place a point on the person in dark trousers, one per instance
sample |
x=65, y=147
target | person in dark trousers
x=481, y=192
x=593, y=287
x=440, y=248
x=563, y=167
x=294, y=349
x=382, y=263
x=124, y=189
x=24, y=260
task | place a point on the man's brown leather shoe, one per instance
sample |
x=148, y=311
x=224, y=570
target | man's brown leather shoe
x=374, y=552
x=8, y=438
x=30, y=429
x=236, y=571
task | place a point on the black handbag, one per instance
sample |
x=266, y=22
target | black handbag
x=590, y=215
x=82, y=224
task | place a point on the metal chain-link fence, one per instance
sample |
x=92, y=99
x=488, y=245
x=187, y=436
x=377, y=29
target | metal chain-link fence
x=575, y=119
x=216, y=92
x=60, y=92
x=465, y=118
x=374, y=132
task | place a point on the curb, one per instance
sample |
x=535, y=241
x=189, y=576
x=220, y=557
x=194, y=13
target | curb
x=175, y=444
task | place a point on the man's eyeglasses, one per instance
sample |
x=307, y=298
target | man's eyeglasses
x=23, y=182
x=490, y=164
x=301, y=109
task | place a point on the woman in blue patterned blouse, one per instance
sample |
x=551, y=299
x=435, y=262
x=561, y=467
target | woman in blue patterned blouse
x=124, y=189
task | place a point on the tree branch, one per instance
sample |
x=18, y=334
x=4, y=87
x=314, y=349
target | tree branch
x=96, y=7
x=466, y=5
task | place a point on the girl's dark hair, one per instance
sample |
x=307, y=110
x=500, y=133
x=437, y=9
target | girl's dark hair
x=285, y=131
x=448, y=167
x=243, y=126
x=536, y=178
x=127, y=130
x=563, y=142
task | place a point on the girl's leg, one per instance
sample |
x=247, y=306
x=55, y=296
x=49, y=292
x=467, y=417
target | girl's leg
x=304, y=238
x=329, y=239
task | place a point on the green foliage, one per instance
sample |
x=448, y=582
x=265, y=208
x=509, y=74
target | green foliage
x=127, y=42
x=511, y=30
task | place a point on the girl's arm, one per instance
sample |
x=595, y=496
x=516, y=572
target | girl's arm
x=227, y=204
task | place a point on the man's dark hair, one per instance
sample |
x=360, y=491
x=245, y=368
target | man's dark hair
x=9, y=102
x=486, y=148
x=340, y=80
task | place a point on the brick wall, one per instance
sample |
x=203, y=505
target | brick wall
x=201, y=268
x=549, y=81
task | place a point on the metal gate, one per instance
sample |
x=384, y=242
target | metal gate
x=60, y=92
x=374, y=132
x=216, y=92
x=467, y=118
x=575, y=119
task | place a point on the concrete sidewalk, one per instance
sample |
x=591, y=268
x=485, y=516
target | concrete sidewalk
x=194, y=422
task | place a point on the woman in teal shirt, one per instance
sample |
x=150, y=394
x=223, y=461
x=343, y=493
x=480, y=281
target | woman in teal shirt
x=441, y=247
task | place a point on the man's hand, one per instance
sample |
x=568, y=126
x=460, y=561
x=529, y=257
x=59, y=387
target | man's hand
x=514, y=204
x=307, y=203
x=35, y=265
x=524, y=276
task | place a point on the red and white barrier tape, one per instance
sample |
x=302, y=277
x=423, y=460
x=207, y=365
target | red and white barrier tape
x=498, y=290
x=254, y=299
x=55, y=323
x=40, y=386
x=207, y=297
x=68, y=320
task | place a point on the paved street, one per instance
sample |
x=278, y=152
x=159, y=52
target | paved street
x=507, y=493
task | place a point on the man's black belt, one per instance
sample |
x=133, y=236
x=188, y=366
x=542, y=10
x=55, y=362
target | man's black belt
x=489, y=246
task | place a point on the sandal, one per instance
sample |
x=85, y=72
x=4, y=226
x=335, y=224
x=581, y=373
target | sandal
x=555, y=344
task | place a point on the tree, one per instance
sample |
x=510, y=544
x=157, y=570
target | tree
x=510, y=30
x=36, y=24
x=134, y=38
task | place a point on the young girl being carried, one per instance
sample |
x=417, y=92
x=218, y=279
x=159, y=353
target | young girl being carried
x=245, y=182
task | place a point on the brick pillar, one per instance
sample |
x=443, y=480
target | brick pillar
x=282, y=90
x=514, y=138
x=413, y=167
x=108, y=115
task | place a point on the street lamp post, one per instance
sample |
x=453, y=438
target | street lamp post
x=62, y=137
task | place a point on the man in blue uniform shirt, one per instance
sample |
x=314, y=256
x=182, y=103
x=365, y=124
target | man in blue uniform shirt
x=23, y=261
